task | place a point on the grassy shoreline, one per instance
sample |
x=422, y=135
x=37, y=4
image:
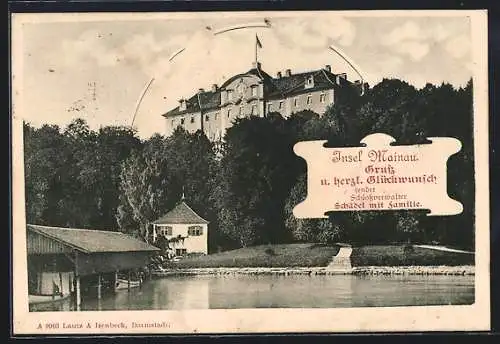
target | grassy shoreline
x=315, y=258
x=271, y=256
x=407, y=255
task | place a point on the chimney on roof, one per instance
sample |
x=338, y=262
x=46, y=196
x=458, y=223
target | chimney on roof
x=201, y=90
x=278, y=75
x=288, y=72
x=341, y=76
x=214, y=87
x=328, y=68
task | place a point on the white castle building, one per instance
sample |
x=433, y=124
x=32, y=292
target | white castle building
x=256, y=93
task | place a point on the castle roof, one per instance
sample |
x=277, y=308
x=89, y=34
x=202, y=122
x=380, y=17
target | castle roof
x=181, y=213
x=274, y=88
x=294, y=84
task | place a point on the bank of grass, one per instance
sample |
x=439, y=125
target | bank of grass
x=404, y=255
x=271, y=256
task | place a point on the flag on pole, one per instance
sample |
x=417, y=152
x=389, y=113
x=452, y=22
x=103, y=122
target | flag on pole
x=258, y=41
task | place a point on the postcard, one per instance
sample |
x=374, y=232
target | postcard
x=250, y=172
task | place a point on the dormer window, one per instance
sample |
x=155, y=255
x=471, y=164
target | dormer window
x=309, y=81
x=182, y=104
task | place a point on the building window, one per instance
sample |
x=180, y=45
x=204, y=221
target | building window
x=182, y=121
x=322, y=98
x=296, y=102
x=173, y=123
x=206, y=118
x=281, y=105
x=309, y=100
x=228, y=113
x=254, y=109
x=165, y=230
x=241, y=110
x=254, y=91
x=216, y=116
x=195, y=230
x=269, y=107
x=180, y=251
x=192, y=119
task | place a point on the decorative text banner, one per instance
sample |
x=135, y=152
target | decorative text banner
x=377, y=176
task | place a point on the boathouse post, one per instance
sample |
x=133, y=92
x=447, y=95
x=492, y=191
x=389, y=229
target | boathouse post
x=61, y=284
x=115, y=285
x=99, y=286
x=78, y=300
x=78, y=296
x=128, y=281
x=54, y=267
x=70, y=284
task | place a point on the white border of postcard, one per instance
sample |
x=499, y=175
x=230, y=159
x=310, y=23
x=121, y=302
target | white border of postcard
x=400, y=319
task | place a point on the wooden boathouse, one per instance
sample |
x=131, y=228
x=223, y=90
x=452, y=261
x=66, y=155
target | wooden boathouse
x=58, y=258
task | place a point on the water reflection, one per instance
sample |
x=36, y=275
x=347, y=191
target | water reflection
x=266, y=291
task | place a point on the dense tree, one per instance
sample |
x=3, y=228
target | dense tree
x=309, y=230
x=144, y=187
x=409, y=115
x=43, y=162
x=154, y=179
x=72, y=174
x=256, y=173
x=98, y=158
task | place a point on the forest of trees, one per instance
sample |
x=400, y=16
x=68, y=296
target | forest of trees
x=110, y=179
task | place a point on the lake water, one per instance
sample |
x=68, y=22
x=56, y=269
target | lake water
x=270, y=291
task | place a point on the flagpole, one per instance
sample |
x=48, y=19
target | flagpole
x=256, y=60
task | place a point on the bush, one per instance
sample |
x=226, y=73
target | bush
x=269, y=251
x=408, y=249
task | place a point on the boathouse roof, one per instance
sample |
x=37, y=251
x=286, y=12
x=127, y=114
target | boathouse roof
x=84, y=240
x=181, y=214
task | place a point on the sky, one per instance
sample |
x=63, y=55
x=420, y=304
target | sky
x=97, y=67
